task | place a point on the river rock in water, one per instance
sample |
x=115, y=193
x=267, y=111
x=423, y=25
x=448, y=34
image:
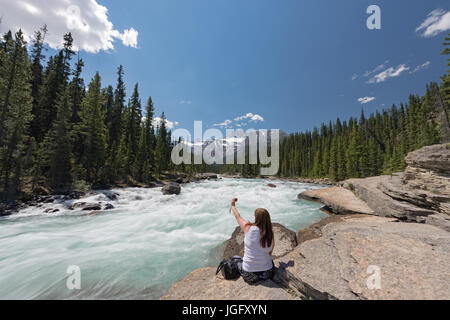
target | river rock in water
x=86, y=206
x=171, y=188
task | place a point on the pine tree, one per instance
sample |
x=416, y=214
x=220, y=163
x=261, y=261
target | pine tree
x=132, y=132
x=37, y=69
x=51, y=89
x=161, y=149
x=353, y=153
x=93, y=130
x=146, y=144
x=16, y=106
x=445, y=86
x=76, y=96
x=58, y=141
x=115, y=150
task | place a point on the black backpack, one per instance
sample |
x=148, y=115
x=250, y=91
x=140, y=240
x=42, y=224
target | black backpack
x=230, y=268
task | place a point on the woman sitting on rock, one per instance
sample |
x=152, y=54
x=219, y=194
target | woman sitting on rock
x=257, y=264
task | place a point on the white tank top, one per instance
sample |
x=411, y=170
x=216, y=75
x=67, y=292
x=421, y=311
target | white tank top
x=256, y=258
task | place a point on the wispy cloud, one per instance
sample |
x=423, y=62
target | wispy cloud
x=391, y=72
x=354, y=76
x=421, y=67
x=365, y=100
x=240, y=121
x=251, y=116
x=224, y=124
x=436, y=22
x=376, y=69
x=185, y=102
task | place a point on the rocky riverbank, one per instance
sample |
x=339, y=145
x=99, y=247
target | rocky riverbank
x=170, y=183
x=387, y=237
x=321, y=181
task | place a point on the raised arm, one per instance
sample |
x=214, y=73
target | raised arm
x=245, y=226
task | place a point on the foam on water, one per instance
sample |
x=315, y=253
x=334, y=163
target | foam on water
x=143, y=245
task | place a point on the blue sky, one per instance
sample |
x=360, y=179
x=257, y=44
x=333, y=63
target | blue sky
x=290, y=62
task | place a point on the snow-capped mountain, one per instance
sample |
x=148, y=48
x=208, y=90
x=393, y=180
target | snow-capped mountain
x=235, y=141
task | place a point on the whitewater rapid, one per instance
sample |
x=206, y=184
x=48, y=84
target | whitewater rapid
x=143, y=245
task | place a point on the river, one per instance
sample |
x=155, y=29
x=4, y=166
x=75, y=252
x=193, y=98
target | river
x=143, y=245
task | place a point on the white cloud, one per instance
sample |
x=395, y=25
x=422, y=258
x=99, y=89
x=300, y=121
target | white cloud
x=257, y=117
x=365, y=100
x=86, y=19
x=251, y=116
x=436, y=22
x=185, y=102
x=421, y=67
x=169, y=124
x=226, y=123
x=129, y=38
x=354, y=76
x=389, y=73
x=240, y=121
x=376, y=69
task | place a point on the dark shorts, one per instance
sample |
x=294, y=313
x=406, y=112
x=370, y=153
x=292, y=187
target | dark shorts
x=255, y=277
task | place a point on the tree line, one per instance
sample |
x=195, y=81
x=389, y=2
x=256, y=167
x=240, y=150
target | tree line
x=367, y=146
x=57, y=132
x=373, y=145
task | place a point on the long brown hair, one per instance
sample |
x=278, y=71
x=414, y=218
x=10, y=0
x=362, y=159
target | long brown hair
x=263, y=222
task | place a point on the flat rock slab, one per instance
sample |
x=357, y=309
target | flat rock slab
x=382, y=204
x=412, y=259
x=203, y=284
x=435, y=157
x=339, y=200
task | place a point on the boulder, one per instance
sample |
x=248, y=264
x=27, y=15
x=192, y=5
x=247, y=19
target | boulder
x=271, y=185
x=411, y=260
x=94, y=206
x=204, y=284
x=435, y=158
x=338, y=200
x=205, y=176
x=439, y=220
x=179, y=180
x=108, y=206
x=285, y=241
x=419, y=194
x=85, y=206
x=381, y=203
x=171, y=188
x=48, y=199
x=112, y=195
x=78, y=194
